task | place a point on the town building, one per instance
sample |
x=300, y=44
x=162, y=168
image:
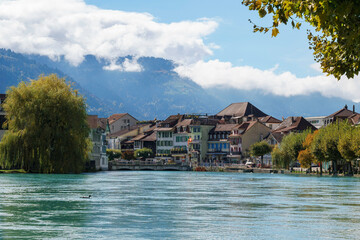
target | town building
x=317, y=122
x=243, y=136
x=98, y=158
x=122, y=139
x=164, y=135
x=240, y=112
x=198, y=141
x=270, y=122
x=218, y=143
x=181, y=136
x=342, y=114
x=121, y=121
x=294, y=124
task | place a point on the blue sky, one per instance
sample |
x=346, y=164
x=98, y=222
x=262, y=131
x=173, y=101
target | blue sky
x=211, y=42
x=234, y=35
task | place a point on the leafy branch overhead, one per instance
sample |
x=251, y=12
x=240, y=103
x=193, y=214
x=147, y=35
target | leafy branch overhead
x=336, y=43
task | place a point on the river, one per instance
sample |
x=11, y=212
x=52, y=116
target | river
x=178, y=205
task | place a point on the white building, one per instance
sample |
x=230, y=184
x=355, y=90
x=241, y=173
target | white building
x=317, y=122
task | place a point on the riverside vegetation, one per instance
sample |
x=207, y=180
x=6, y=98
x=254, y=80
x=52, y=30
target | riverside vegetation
x=337, y=144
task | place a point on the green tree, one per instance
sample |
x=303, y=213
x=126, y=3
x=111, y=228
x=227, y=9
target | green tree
x=47, y=127
x=113, y=153
x=259, y=149
x=336, y=44
x=290, y=147
x=143, y=153
x=277, y=157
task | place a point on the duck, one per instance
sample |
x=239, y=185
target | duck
x=86, y=196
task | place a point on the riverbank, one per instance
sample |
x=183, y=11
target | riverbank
x=13, y=171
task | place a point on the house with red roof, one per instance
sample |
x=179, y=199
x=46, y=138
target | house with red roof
x=243, y=136
x=121, y=121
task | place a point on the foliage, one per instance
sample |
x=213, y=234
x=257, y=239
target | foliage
x=113, y=153
x=260, y=149
x=290, y=147
x=305, y=156
x=336, y=44
x=128, y=155
x=349, y=144
x=143, y=153
x=47, y=128
x=277, y=157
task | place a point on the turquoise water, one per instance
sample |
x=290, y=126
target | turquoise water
x=178, y=205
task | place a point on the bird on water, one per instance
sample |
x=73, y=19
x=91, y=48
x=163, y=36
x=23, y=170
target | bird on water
x=86, y=196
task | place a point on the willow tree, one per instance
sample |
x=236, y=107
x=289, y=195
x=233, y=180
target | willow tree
x=47, y=127
x=335, y=38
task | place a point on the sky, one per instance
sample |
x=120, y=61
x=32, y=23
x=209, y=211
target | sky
x=211, y=41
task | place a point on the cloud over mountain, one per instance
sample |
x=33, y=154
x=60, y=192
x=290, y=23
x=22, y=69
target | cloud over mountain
x=74, y=29
x=215, y=73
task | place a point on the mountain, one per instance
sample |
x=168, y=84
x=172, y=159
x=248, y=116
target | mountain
x=156, y=91
x=15, y=68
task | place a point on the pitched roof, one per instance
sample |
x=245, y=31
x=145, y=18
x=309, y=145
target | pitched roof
x=138, y=137
x=294, y=124
x=124, y=131
x=241, y=109
x=115, y=117
x=150, y=138
x=355, y=118
x=95, y=122
x=102, y=122
x=278, y=136
x=224, y=127
x=342, y=113
x=245, y=126
x=172, y=120
x=269, y=119
x=184, y=123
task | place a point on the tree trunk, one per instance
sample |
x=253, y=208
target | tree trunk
x=320, y=168
x=262, y=157
x=334, y=167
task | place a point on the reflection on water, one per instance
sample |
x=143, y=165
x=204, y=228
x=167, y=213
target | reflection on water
x=178, y=205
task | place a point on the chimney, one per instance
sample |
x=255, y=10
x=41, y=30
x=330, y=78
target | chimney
x=346, y=107
x=353, y=108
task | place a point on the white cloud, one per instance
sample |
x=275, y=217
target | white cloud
x=74, y=29
x=129, y=65
x=223, y=74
